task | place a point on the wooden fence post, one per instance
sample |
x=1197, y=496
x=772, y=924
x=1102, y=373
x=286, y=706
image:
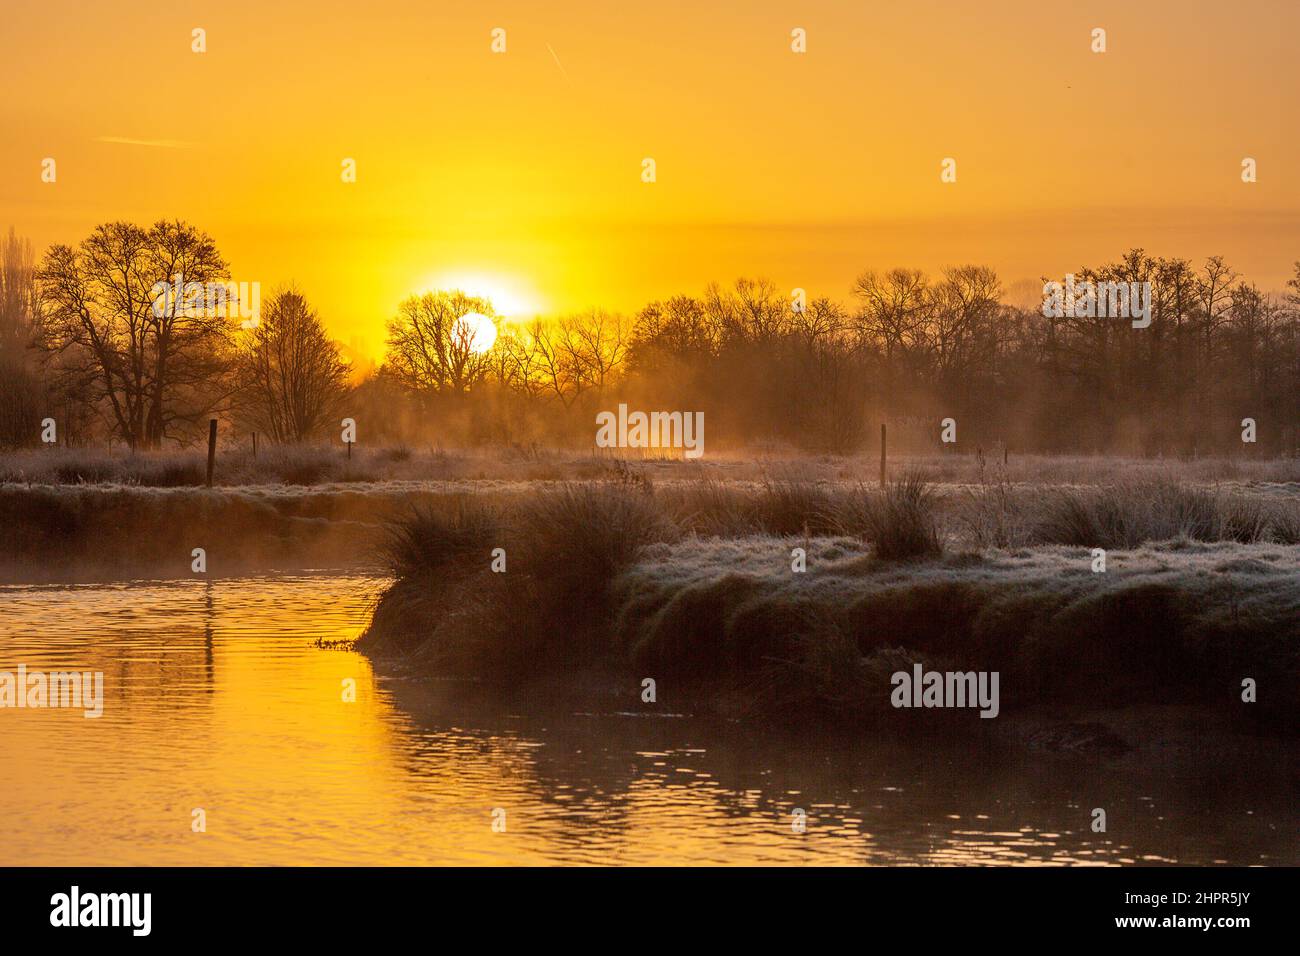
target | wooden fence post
x=882, y=454
x=212, y=447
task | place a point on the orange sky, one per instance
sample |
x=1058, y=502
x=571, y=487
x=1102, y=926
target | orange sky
x=520, y=173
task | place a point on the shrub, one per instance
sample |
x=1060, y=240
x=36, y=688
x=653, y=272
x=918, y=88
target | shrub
x=565, y=547
x=1126, y=515
x=577, y=538
x=785, y=507
x=429, y=541
x=900, y=521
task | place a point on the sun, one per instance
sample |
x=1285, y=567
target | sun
x=510, y=297
x=482, y=331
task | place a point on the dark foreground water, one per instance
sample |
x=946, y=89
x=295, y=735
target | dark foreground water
x=216, y=698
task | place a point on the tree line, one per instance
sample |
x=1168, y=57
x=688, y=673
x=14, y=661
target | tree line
x=85, y=340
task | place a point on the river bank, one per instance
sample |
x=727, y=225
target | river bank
x=790, y=628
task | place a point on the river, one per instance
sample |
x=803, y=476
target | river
x=219, y=699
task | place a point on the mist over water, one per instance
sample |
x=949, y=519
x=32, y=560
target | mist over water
x=217, y=697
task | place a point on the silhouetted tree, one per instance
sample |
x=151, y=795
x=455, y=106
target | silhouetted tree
x=292, y=377
x=431, y=350
x=23, y=400
x=150, y=364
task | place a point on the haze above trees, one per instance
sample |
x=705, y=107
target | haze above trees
x=82, y=342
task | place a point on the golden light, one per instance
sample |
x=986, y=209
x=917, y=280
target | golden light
x=509, y=297
x=482, y=331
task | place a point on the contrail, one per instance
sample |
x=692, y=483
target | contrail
x=557, y=62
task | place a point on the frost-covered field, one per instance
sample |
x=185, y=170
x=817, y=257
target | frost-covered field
x=324, y=466
x=1172, y=623
x=70, y=514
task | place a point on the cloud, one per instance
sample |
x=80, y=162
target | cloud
x=161, y=143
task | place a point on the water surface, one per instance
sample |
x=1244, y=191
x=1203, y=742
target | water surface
x=217, y=697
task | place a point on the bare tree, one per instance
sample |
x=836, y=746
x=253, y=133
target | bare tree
x=679, y=328
x=597, y=342
x=567, y=357
x=431, y=349
x=151, y=363
x=292, y=376
x=554, y=364
x=963, y=306
x=820, y=321
x=516, y=361
x=752, y=311
x=894, y=306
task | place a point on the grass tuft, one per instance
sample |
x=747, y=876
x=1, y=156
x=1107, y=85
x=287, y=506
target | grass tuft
x=900, y=521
